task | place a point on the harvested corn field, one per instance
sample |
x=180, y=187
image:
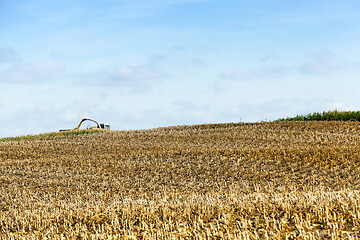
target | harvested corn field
x=271, y=180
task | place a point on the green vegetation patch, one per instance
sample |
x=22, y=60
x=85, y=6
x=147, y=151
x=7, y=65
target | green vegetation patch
x=52, y=135
x=326, y=116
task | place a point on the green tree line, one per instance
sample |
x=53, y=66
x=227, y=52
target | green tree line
x=326, y=116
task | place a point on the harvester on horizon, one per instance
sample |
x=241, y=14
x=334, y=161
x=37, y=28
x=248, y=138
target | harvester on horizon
x=98, y=125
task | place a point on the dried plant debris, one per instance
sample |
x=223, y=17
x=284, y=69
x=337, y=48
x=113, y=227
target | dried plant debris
x=270, y=180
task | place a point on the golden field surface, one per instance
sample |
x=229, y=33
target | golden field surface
x=269, y=180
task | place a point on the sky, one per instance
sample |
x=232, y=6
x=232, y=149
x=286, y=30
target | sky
x=156, y=63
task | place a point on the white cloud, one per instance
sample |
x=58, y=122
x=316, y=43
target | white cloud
x=8, y=54
x=136, y=73
x=320, y=63
x=179, y=47
x=29, y=73
x=237, y=73
x=157, y=58
x=129, y=78
x=270, y=58
x=246, y=74
x=199, y=63
x=205, y=49
x=186, y=105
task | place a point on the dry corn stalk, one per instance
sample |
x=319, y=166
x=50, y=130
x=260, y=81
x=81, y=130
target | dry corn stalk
x=283, y=180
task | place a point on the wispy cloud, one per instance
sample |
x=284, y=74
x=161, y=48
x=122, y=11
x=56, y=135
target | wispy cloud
x=8, y=54
x=199, y=63
x=30, y=73
x=237, y=73
x=319, y=63
x=134, y=77
x=157, y=58
x=270, y=57
x=187, y=105
x=135, y=72
x=246, y=74
x=128, y=78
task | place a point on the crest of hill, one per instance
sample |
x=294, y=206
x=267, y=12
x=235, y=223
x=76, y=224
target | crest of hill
x=75, y=133
x=194, y=129
x=254, y=152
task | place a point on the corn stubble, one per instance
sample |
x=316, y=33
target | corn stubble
x=273, y=180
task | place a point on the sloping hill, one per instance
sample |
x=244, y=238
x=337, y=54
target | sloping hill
x=256, y=180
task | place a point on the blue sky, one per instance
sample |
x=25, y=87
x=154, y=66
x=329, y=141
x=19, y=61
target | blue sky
x=155, y=63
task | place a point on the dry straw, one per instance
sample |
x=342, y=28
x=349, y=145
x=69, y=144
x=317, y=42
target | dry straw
x=279, y=180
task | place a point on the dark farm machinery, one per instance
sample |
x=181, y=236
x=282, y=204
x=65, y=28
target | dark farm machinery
x=98, y=125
